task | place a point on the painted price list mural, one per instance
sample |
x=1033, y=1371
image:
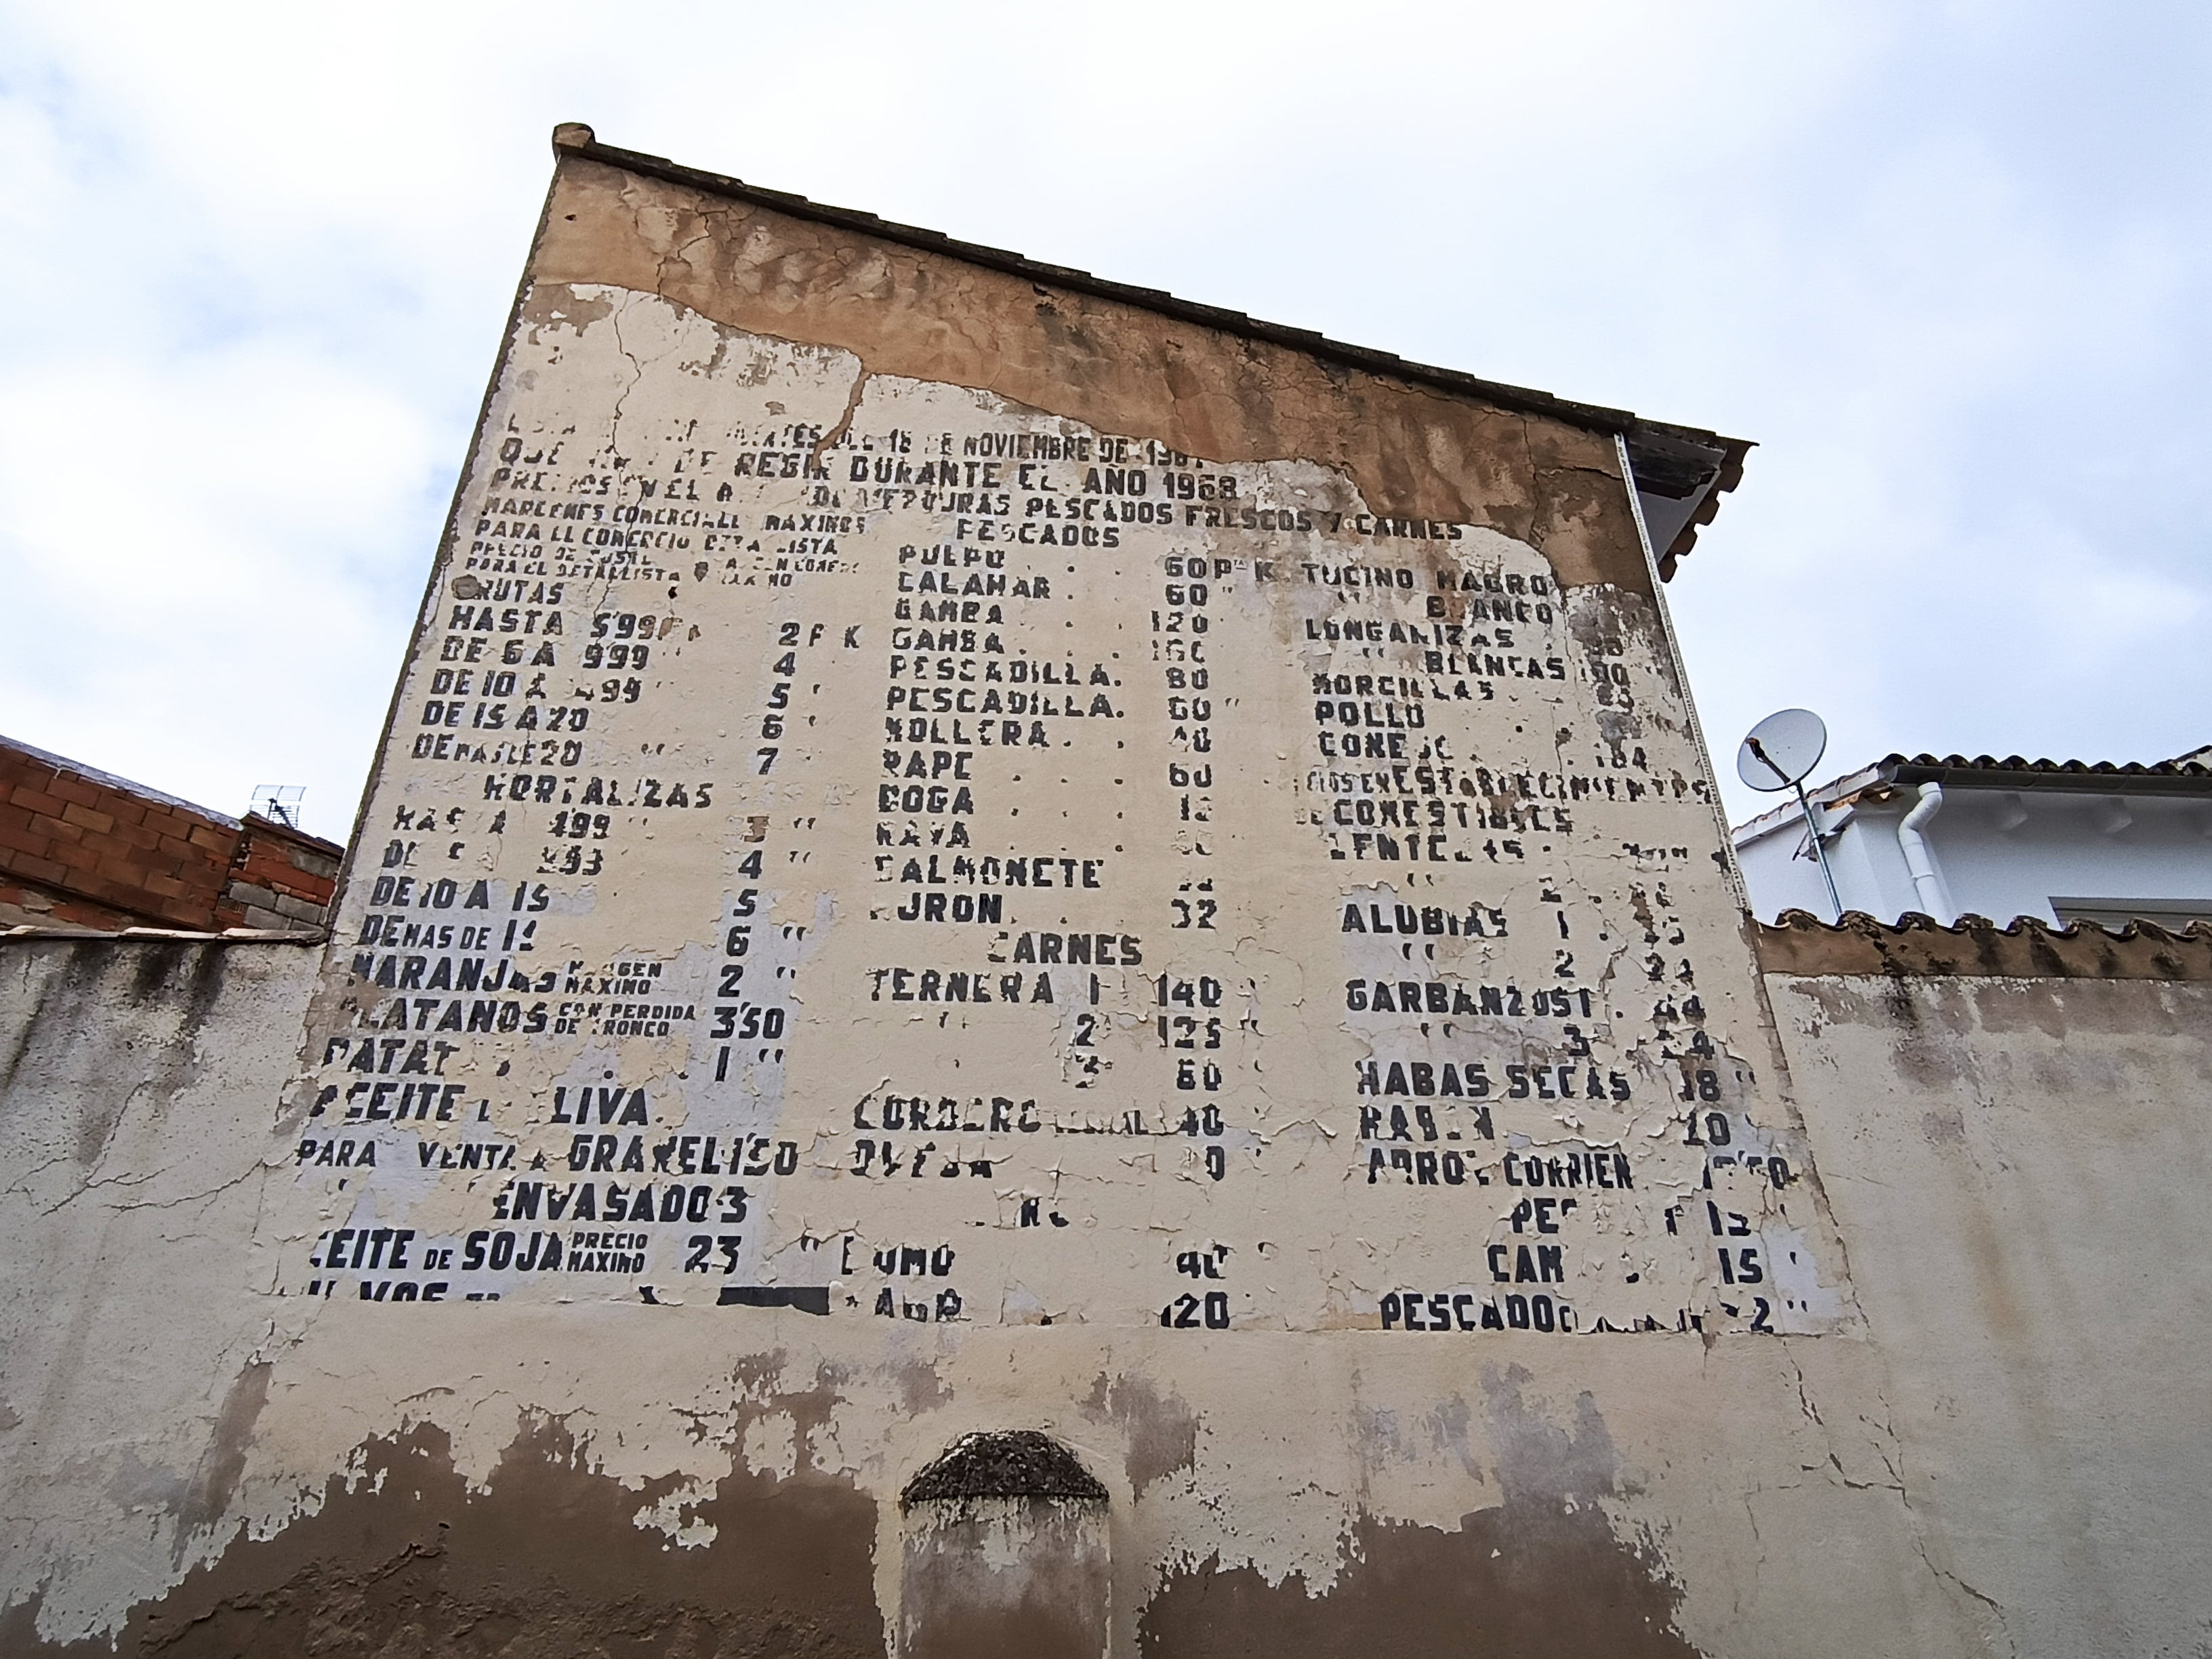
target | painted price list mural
x=852, y=845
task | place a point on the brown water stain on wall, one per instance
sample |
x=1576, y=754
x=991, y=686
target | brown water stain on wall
x=1035, y=1629
x=547, y=1560
x=1527, y=1581
x=1542, y=1577
x=1415, y=451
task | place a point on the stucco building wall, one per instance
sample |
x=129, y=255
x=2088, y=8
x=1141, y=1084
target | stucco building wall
x=1999, y=854
x=1377, y=1167
x=2017, y=1165
x=138, y=1084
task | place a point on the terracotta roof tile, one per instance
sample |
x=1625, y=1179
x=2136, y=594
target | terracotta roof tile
x=1916, y=947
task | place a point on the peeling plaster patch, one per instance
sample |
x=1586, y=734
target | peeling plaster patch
x=1544, y=1573
x=1163, y=1430
x=1449, y=1424
x=548, y=1556
x=135, y=1485
x=674, y=1515
x=1539, y=1458
x=921, y=1389
x=224, y=1461
x=771, y=1445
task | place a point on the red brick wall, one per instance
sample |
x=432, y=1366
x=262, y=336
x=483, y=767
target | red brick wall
x=80, y=848
x=279, y=878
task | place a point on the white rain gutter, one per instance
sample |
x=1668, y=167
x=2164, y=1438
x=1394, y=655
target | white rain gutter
x=1919, y=862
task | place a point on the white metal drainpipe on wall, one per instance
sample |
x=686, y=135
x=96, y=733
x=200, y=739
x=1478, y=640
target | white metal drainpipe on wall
x=1918, y=862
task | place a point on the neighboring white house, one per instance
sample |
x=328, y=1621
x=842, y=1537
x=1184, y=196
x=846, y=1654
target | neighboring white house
x=2059, y=840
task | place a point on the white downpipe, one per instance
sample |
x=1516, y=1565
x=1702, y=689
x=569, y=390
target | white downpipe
x=1918, y=862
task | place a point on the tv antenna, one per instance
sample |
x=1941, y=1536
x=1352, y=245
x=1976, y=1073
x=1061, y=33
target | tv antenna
x=1780, y=753
x=279, y=802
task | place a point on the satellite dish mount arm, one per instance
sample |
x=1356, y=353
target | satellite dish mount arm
x=1812, y=823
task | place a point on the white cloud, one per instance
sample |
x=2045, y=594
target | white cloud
x=206, y=545
x=1946, y=265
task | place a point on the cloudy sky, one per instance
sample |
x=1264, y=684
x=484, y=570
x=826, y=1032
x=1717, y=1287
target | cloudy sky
x=1946, y=264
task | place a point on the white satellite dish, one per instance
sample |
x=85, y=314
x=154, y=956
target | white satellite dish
x=1781, y=750
x=1780, y=753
